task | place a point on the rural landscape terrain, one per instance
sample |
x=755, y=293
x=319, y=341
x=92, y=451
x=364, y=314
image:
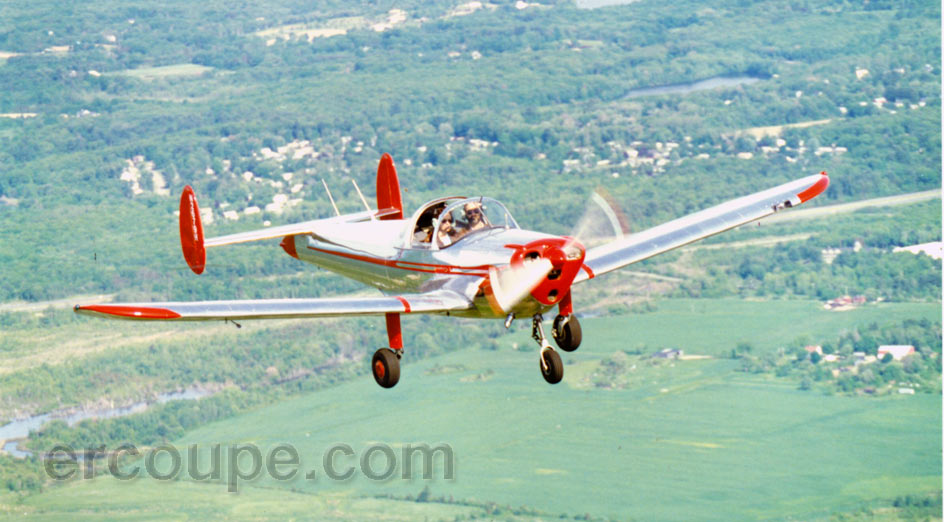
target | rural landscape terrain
x=788, y=369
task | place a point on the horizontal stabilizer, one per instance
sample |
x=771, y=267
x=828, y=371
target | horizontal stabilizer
x=308, y=227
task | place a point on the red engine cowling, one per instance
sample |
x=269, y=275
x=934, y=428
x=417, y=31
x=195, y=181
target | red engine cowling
x=565, y=254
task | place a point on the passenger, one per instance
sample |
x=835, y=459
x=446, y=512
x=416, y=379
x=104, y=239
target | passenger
x=447, y=234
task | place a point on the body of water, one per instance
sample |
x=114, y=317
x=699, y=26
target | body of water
x=11, y=434
x=701, y=85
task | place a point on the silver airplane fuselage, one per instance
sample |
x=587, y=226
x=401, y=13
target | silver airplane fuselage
x=401, y=267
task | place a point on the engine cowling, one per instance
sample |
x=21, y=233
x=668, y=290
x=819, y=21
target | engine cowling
x=566, y=256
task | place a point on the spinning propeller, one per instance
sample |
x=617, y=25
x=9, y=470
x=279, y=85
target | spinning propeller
x=545, y=268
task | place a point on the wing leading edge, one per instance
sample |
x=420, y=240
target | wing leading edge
x=429, y=303
x=700, y=225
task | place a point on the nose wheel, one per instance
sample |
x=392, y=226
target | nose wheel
x=552, y=368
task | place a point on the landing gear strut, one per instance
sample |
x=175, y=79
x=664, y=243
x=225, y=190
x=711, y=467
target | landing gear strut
x=552, y=368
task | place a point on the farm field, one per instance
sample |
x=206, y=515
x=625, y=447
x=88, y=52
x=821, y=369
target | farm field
x=697, y=440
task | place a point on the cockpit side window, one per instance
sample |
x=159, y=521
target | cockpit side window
x=423, y=231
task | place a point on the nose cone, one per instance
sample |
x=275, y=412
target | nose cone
x=565, y=255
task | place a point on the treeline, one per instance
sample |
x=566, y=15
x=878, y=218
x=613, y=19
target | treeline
x=922, y=370
x=159, y=424
x=797, y=269
x=22, y=475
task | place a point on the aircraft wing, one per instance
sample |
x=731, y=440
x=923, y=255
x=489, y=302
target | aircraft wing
x=665, y=237
x=440, y=301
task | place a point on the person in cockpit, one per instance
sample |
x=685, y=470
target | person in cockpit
x=447, y=233
x=474, y=218
x=424, y=226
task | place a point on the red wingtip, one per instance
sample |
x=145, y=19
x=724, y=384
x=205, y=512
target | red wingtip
x=816, y=189
x=191, y=231
x=134, y=312
x=388, y=188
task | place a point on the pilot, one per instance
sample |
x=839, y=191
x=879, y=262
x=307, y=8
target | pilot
x=473, y=216
x=447, y=234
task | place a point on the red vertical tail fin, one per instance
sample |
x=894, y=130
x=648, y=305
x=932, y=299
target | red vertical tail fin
x=388, y=188
x=191, y=231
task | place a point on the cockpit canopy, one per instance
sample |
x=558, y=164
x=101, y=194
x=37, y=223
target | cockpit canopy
x=444, y=222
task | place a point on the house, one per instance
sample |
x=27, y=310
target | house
x=898, y=351
x=845, y=302
x=668, y=353
x=814, y=349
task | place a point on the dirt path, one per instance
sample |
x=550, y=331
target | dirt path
x=66, y=302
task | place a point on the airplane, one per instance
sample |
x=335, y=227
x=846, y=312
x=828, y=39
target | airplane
x=454, y=256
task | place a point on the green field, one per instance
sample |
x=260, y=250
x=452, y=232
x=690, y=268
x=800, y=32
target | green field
x=697, y=440
x=167, y=71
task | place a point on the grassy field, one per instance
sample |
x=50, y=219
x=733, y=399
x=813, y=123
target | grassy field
x=694, y=440
x=155, y=73
x=108, y=498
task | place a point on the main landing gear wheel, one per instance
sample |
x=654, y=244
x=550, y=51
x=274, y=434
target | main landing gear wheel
x=552, y=368
x=386, y=367
x=566, y=332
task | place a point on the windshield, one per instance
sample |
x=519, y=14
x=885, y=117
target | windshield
x=469, y=216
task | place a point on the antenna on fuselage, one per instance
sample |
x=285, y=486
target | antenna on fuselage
x=329, y=197
x=364, y=201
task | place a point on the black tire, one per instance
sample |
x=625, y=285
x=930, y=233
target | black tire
x=567, y=337
x=386, y=367
x=555, y=367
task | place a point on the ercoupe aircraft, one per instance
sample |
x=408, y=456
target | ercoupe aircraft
x=455, y=256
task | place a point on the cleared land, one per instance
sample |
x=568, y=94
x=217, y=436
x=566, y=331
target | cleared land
x=167, y=71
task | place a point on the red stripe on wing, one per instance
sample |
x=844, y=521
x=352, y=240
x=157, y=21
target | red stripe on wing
x=135, y=312
x=816, y=189
x=406, y=305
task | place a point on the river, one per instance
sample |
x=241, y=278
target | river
x=701, y=85
x=13, y=433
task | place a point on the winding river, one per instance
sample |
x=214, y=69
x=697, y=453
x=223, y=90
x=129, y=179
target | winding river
x=701, y=85
x=13, y=433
